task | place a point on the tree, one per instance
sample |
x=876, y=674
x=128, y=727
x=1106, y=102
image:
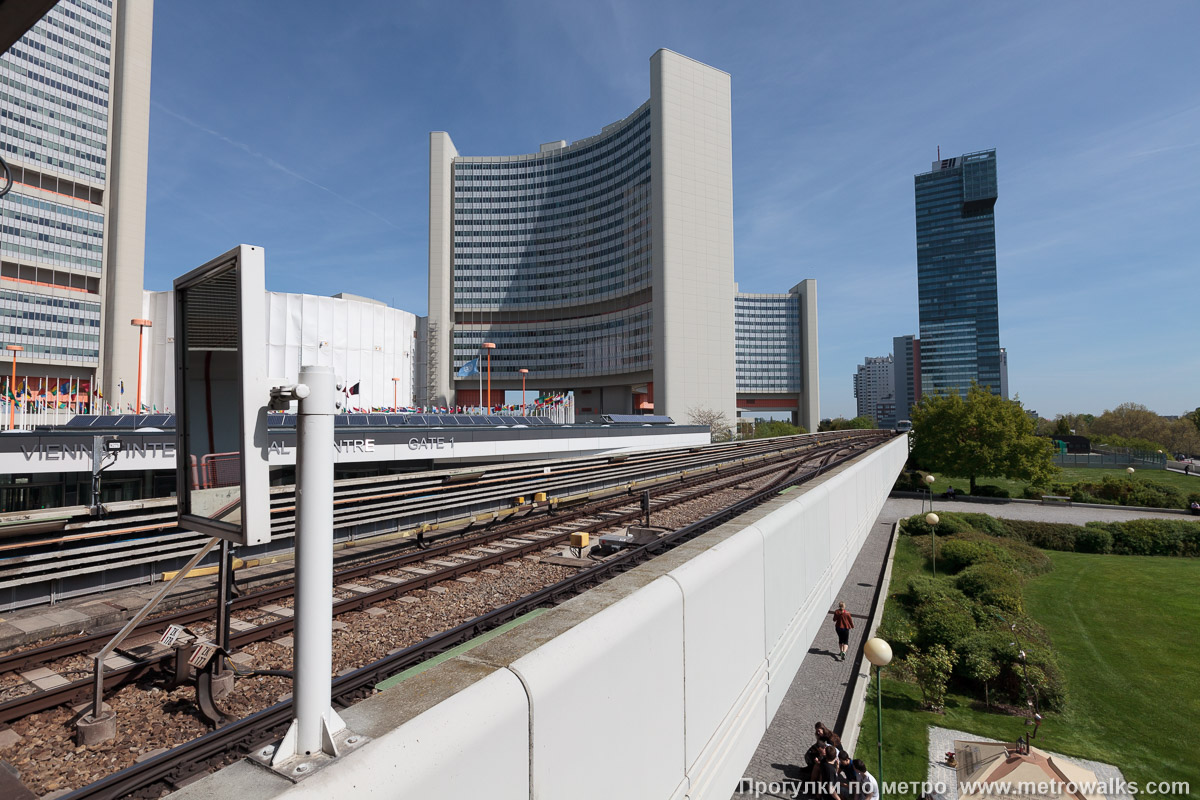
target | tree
x=979, y=435
x=717, y=422
x=767, y=428
x=932, y=669
x=843, y=424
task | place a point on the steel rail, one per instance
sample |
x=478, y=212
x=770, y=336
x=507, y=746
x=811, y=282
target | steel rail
x=253, y=732
x=26, y=659
x=40, y=701
x=159, y=514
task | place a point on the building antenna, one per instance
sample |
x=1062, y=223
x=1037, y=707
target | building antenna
x=939, y=147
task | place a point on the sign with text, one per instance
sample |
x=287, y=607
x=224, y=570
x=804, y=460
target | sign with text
x=222, y=394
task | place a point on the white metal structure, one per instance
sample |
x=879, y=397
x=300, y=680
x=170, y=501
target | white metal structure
x=222, y=393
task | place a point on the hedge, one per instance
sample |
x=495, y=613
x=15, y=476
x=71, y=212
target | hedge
x=1142, y=537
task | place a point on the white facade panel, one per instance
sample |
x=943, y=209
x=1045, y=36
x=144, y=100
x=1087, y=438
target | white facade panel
x=366, y=343
x=614, y=681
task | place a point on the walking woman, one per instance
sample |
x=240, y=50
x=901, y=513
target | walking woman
x=843, y=623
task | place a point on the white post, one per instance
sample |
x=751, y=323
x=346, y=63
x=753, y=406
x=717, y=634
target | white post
x=316, y=723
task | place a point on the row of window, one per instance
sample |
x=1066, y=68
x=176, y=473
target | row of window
x=49, y=319
x=41, y=254
x=49, y=238
x=21, y=299
x=8, y=80
x=53, y=84
x=104, y=31
x=572, y=153
x=53, y=52
x=62, y=41
x=47, y=333
x=51, y=130
x=545, y=174
x=51, y=19
x=50, y=66
x=54, y=208
x=20, y=102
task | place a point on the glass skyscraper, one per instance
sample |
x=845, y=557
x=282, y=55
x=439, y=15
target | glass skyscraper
x=956, y=273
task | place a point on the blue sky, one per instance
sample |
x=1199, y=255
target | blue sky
x=303, y=127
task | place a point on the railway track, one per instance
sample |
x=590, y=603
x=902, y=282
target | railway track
x=507, y=542
x=145, y=533
x=254, y=732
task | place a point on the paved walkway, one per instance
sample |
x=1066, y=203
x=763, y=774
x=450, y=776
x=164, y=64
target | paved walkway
x=822, y=682
x=821, y=687
x=1046, y=512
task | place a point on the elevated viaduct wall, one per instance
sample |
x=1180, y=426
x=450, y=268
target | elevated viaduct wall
x=657, y=684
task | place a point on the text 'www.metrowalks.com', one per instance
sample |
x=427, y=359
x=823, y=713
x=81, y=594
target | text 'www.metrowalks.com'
x=1108, y=788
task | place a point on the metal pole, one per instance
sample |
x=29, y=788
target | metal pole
x=316, y=723
x=224, y=595
x=879, y=726
x=141, y=333
x=489, y=381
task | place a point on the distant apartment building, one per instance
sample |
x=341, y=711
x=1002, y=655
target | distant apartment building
x=906, y=366
x=74, y=129
x=956, y=273
x=874, y=383
x=776, y=353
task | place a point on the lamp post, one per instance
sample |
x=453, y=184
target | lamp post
x=12, y=386
x=932, y=519
x=879, y=653
x=929, y=479
x=523, y=372
x=395, y=400
x=489, y=346
x=141, y=325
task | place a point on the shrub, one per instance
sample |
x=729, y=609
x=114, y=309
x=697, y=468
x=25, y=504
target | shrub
x=978, y=664
x=922, y=588
x=984, y=523
x=988, y=490
x=1047, y=535
x=1093, y=540
x=945, y=620
x=957, y=554
x=991, y=585
x=951, y=523
x=932, y=670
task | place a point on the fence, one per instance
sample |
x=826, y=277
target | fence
x=1104, y=457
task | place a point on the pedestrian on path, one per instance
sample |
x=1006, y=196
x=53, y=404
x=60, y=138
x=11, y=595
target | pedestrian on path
x=843, y=623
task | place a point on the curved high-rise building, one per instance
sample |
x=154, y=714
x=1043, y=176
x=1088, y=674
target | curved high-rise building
x=604, y=266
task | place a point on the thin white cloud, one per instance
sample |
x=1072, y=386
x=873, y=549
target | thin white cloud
x=272, y=163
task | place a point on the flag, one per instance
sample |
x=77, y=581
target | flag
x=468, y=369
x=354, y=388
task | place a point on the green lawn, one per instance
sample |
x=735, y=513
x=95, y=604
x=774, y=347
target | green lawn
x=1184, y=483
x=1125, y=629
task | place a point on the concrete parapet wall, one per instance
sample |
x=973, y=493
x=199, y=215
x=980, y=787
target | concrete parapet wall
x=657, y=684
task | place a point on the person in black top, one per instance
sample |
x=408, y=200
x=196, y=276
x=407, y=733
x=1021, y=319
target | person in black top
x=830, y=779
x=847, y=778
